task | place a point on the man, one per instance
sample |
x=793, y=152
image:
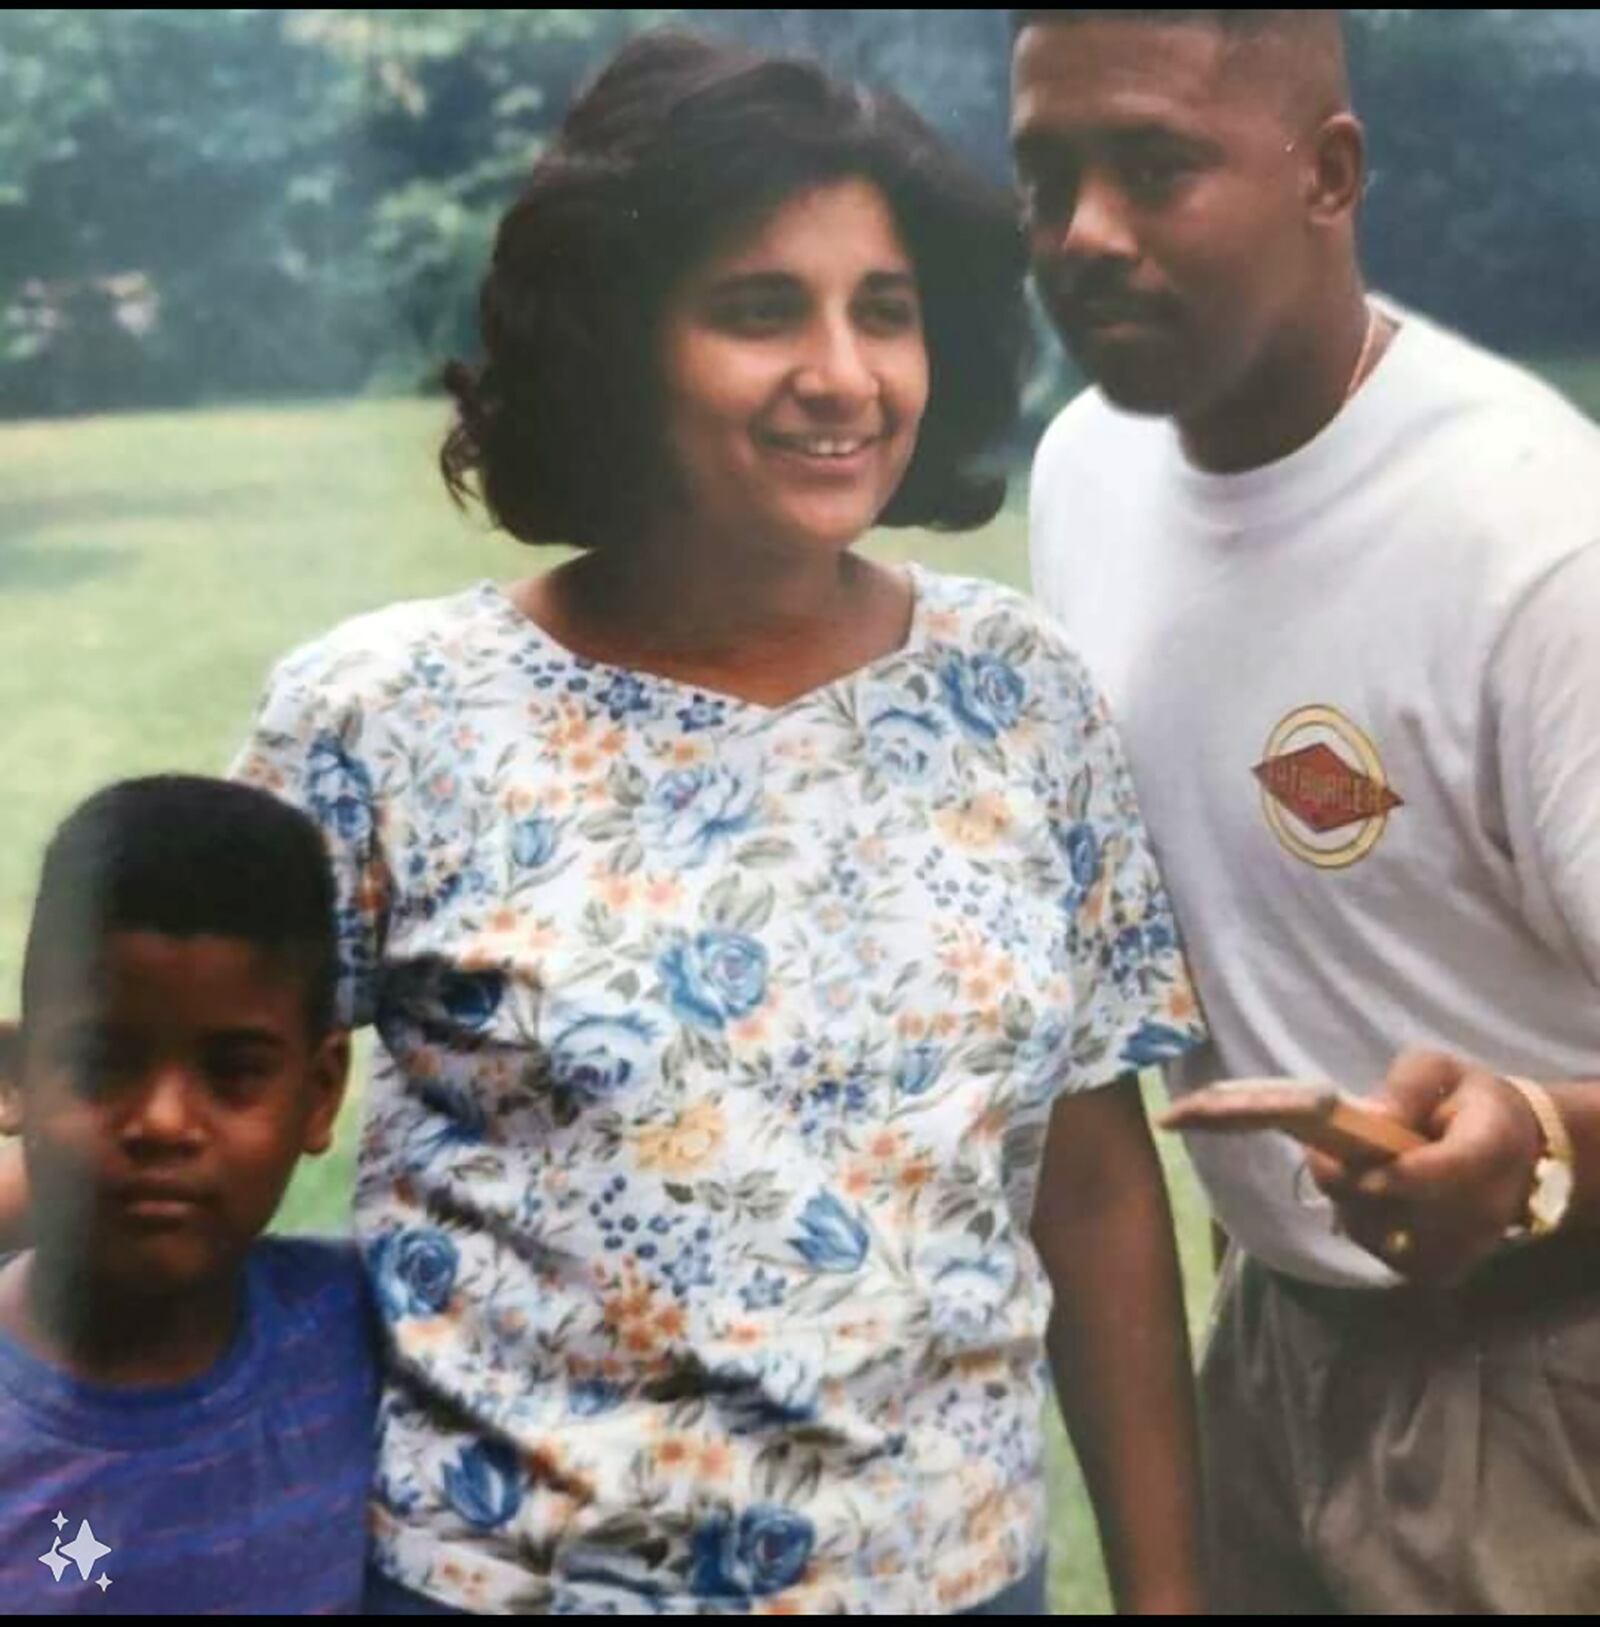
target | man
x=1339, y=573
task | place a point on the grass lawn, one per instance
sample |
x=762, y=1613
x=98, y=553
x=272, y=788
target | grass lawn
x=153, y=566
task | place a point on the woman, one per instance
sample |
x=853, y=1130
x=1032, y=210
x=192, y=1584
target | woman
x=743, y=920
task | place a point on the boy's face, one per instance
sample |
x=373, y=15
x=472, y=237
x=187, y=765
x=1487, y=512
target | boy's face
x=164, y=1099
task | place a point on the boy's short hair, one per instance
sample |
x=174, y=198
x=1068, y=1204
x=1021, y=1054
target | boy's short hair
x=184, y=855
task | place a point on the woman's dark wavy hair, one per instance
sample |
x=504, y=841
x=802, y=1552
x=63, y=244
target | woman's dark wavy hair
x=676, y=145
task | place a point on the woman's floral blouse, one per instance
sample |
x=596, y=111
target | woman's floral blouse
x=717, y=1043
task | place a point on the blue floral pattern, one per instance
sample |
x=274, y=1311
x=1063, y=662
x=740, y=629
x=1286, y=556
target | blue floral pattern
x=415, y=1272
x=985, y=693
x=716, y=1046
x=761, y=1552
x=905, y=745
x=596, y=1057
x=484, y=1484
x=831, y=1238
x=533, y=842
x=692, y=813
x=714, y=976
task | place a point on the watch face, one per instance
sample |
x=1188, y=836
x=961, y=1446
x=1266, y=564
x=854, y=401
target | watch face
x=1552, y=1193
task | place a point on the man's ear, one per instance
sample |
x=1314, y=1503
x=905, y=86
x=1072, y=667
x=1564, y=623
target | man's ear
x=1337, y=175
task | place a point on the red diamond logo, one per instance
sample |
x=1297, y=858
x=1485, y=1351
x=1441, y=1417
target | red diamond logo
x=1323, y=791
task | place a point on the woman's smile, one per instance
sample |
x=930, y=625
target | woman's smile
x=797, y=374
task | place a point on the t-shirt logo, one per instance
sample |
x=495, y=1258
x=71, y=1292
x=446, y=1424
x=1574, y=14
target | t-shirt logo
x=1323, y=788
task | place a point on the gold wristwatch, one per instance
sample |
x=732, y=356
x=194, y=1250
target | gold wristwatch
x=1551, y=1196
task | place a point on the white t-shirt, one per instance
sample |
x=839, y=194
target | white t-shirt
x=1359, y=690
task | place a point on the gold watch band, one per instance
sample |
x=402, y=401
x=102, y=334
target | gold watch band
x=1551, y=1195
x=1557, y=1143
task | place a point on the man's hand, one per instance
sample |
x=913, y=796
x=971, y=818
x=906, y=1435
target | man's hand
x=1436, y=1213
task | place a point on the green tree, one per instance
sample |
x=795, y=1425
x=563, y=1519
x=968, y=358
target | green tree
x=276, y=202
x=1485, y=202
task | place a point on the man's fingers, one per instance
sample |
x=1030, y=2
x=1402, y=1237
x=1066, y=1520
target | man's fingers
x=1418, y=1084
x=1332, y=1176
x=1383, y=1230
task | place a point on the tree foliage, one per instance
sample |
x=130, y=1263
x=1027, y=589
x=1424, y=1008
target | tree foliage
x=197, y=204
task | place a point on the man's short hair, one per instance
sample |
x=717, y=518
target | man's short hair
x=1230, y=22
x=1309, y=61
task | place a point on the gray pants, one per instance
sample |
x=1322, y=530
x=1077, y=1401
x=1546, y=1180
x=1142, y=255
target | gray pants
x=1406, y=1451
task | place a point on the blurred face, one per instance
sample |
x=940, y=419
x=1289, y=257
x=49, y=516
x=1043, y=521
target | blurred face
x=163, y=1103
x=1166, y=216
x=796, y=374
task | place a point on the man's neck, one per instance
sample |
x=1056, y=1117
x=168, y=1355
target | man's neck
x=1294, y=394
x=100, y=1336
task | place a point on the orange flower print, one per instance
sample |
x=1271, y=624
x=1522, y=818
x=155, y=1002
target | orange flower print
x=615, y=892
x=752, y=1030
x=715, y=1461
x=976, y=823
x=662, y=893
x=686, y=1145
x=673, y=1454
x=916, y=1175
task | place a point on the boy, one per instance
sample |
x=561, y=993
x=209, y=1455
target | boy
x=186, y=1410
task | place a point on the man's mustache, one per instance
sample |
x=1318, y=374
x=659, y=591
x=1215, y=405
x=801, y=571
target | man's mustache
x=1100, y=292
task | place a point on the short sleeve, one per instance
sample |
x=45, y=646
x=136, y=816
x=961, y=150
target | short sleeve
x=1544, y=707
x=1134, y=1002
x=302, y=752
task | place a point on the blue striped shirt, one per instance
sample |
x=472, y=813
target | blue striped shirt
x=243, y=1491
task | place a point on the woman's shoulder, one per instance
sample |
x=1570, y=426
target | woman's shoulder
x=368, y=654
x=975, y=616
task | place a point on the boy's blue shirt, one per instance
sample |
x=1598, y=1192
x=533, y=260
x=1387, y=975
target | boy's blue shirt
x=244, y=1490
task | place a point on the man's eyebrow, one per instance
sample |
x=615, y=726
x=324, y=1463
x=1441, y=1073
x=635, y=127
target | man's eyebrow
x=1046, y=141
